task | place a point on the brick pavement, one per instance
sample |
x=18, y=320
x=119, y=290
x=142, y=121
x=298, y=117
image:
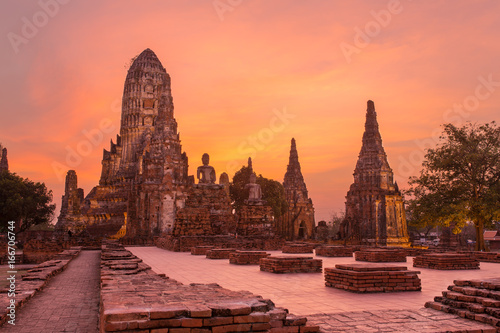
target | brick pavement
x=332, y=309
x=69, y=303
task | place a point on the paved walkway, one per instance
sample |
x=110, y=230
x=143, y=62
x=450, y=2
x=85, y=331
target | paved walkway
x=306, y=294
x=69, y=303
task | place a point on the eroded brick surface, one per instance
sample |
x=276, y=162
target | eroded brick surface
x=134, y=299
x=369, y=278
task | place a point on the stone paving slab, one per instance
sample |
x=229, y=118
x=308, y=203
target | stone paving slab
x=69, y=303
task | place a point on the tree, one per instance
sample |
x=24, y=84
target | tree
x=459, y=181
x=23, y=201
x=272, y=191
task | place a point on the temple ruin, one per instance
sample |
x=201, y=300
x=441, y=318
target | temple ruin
x=4, y=163
x=298, y=222
x=375, y=213
x=144, y=174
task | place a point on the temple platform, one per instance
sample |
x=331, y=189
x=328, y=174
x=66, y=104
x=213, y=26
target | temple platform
x=298, y=248
x=247, y=257
x=446, y=261
x=372, y=278
x=220, y=253
x=283, y=264
x=334, y=251
x=380, y=255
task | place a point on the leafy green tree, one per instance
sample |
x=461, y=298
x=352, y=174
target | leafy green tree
x=272, y=191
x=23, y=201
x=459, y=181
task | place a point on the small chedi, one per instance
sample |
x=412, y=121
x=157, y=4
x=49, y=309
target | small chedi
x=255, y=216
x=4, y=163
x=298, y=222
x=375, y=213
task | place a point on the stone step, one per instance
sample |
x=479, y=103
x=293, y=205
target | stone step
x=473, y=299
x=481, y=317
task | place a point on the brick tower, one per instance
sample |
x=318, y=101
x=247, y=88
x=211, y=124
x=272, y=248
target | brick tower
x=144, y=174
x=4, y=163
x=375, y=211
x=298, y=222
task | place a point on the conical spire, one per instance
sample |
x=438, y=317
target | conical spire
x=250, y=166
x=147, y=106
x=372, y=160
x=371, y=138
x=293, y=176
x=147, y=59
x=4, y=163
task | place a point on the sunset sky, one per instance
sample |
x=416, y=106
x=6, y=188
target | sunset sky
x=247, y=76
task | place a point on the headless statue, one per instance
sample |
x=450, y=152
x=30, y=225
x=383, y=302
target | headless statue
x=205, y=173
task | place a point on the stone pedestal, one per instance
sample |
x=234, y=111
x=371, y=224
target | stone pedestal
x=446, y=261
x=282, y=264
x=370, y=278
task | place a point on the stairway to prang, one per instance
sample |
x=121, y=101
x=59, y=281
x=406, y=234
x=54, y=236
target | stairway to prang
x=473, y=299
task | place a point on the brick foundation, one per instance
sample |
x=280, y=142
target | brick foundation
x=334, y=251
x=219, y=253
x=134, y=299
x=472, y=299
x=186, y=243
x=371, y=278
x=298, y=248
x=445, y=261
x=247, y=257
x=282, y=264
x=483, y=256
x=200, y=250
x=380, y=255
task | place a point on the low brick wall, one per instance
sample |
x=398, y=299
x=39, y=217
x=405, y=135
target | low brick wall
x=334, y=251
x=446, y=261
x=200, y=250
x=371, y=278
x=186, y=243
x=298, y=248
x=219, y=253
x=380, y=255
x=247, y=257
x=36, y=278
x=282, y=264
x=483, y=256
x=134, y=299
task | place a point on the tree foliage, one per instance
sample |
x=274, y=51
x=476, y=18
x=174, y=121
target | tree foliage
x=23, y=201
x=272, y=191
x=459, y=181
